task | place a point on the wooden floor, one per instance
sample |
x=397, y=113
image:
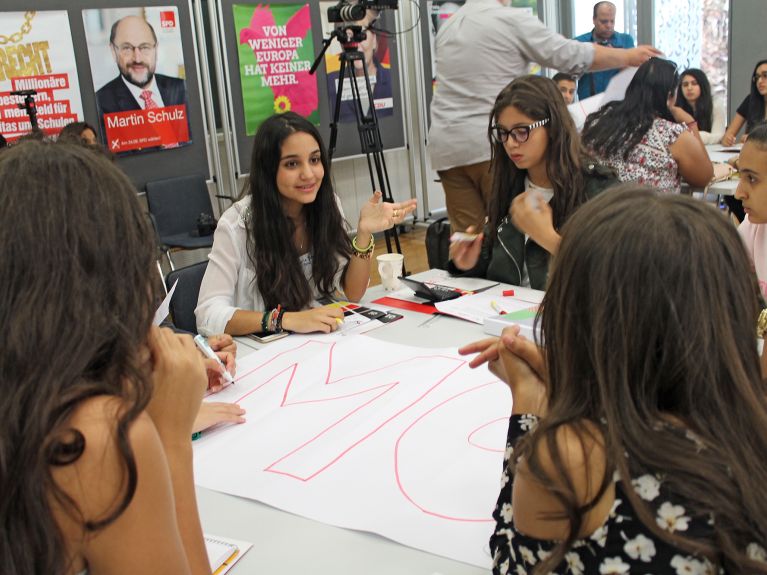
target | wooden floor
x=413, y=244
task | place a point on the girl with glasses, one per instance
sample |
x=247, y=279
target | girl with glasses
x=753, y=109
x=694, y=97
x=540, y=177
x=646, y=138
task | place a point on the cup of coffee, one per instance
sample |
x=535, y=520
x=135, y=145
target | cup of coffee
x=390, y=268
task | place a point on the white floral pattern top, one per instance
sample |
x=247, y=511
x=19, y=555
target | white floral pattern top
x=650, y=162
x=622, y=545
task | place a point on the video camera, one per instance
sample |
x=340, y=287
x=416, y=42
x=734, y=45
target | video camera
x=346, y=11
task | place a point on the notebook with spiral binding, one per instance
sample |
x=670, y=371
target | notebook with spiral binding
x=224, y=552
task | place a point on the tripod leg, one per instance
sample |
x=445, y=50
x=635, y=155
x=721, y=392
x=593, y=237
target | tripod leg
x=337, y=110
x=369, y=133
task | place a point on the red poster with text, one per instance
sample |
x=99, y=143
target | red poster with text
x=156, y=128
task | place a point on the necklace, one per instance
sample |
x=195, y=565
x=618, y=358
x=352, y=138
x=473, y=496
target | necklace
x=300, y=231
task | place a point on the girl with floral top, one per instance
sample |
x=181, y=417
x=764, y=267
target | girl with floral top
x=637, y=436
x=645, y=137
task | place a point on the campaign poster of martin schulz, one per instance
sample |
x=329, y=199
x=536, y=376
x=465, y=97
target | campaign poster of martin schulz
x=137, y=62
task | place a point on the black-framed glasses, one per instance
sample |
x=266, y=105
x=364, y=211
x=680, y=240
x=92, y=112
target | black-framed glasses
x=519, y=134
x=128, y=49
x=760, y=76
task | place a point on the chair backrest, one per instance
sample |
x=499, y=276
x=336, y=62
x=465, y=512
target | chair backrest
x=185, y=297
x=176, y=203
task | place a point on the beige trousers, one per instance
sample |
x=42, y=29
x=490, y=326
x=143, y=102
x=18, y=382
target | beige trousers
x=467, y=193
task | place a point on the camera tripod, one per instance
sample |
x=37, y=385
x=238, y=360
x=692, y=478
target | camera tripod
x=28, y=106
x=367, y=122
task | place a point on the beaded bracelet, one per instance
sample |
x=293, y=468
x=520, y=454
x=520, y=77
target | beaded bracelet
x=273, y=318
x=265, y=322
x=278, y=321
x=365, y=253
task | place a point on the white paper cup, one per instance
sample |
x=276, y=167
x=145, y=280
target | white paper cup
x=390, y=268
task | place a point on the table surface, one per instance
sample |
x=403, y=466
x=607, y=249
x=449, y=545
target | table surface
x=284, y=543
x=715, y=154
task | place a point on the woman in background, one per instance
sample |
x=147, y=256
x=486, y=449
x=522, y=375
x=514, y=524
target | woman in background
x=751, y=112
x=540, y=178
x=645, y=138
x=753, y=108
x=82, y=131
x=96, y=405
x=637, y=436
x=694, y=97
x=286, y=243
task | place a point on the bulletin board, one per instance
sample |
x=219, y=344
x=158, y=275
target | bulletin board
x=159, y=162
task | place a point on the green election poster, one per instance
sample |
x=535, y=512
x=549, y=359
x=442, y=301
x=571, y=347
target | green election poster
x=275, y=51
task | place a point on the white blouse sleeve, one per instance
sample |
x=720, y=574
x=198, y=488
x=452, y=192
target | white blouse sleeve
x=216, y=302
x=342, y=261
x=717, y=124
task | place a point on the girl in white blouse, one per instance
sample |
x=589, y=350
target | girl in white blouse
x=286, y=243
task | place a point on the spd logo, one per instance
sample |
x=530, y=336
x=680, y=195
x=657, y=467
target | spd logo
x=168, y=20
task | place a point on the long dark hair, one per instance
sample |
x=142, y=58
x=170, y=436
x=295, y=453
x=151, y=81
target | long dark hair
x=538, y=98
x=279, y=277
x=630, y=344
x=620, y=125
x=74, y=130
x=704, y=106
x=758, y=135
x=755, y=102
x=76, y=303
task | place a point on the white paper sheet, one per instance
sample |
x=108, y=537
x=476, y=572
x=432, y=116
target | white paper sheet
x=616, y=90
x=478, y=307
x=164, y=309
x=401, y=441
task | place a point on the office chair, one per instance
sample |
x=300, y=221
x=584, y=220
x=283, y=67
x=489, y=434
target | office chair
x=175, y=204
x=185, y=297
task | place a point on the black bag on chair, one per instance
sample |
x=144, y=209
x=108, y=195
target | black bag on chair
x=438, y=243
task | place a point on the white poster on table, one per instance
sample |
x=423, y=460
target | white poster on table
x=401, y=441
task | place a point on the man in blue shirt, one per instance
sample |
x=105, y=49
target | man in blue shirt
x=603, y=34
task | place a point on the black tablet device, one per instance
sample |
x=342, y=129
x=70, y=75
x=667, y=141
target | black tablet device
x=431, y=292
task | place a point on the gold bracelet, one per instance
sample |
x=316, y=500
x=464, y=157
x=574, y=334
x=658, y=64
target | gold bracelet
x=365, y=253
x=761, y=324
